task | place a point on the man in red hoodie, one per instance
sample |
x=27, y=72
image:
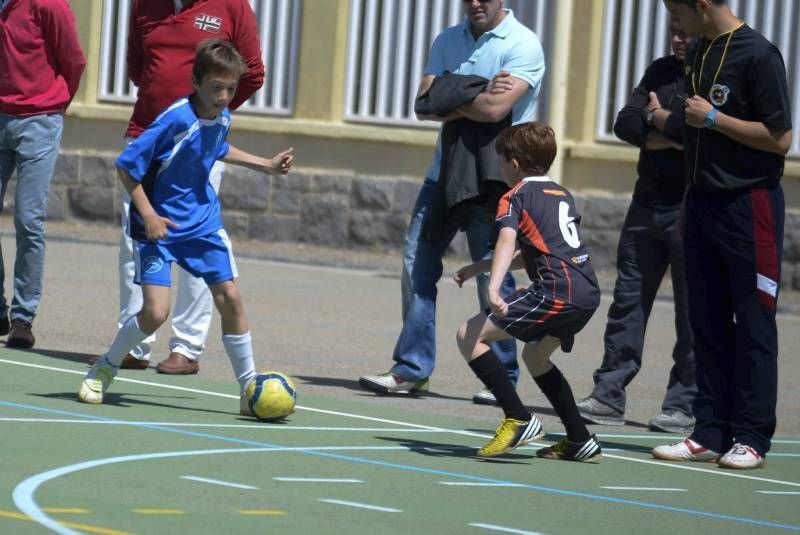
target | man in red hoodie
x=41, y=63
x=161, y=48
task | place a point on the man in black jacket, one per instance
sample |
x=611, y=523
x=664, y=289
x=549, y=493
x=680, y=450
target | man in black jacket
x=649, y=243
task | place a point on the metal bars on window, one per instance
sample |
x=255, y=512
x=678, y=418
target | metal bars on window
x=114, y=83
x=636, y=33
x=279, y=31
x=388, y=43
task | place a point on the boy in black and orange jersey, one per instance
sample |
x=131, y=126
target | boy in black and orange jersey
x=540, y=216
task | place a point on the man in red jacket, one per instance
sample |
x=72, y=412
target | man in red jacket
x=41, y=63
x=161, y=48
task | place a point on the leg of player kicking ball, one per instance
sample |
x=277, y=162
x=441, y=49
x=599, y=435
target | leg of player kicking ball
x=235, y=335
x=155, y=310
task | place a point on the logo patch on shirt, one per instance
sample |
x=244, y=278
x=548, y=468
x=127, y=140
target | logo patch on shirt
x=580, y=259
x=718, y=95
x=152, y=264
x=556, y=192
x=208, y=23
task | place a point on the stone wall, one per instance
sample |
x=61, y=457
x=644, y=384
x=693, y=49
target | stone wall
x=335, y=210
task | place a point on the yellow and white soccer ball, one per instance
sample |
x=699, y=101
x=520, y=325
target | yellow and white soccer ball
x=271, y=396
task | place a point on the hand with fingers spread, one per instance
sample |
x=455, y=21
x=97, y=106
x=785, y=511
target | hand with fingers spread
x=280, y=164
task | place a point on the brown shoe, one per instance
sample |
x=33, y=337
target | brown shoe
x=177, y=364
x=20, y=335
x=128, y=363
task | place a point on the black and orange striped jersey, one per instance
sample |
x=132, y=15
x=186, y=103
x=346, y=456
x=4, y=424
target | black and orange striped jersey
x=543, y=214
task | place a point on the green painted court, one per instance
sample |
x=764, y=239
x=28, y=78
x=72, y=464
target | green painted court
x=167, y=455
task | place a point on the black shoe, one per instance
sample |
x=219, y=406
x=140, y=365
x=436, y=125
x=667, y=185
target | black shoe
x=20, y=334
x=565, y=450
x=4, y=326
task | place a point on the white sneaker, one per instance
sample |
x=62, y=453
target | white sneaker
x=484, y=397
x=741, y=457
x=685, y=450
x=244, y=407
x=97, y=382
x=389, y=383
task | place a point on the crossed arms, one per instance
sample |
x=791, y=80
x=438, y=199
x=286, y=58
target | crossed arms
x=489, y=107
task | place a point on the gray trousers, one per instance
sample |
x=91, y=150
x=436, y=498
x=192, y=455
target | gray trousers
x=648, y=244
x=30, y=145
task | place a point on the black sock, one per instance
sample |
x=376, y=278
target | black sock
x=556, y=388
x=491, y=372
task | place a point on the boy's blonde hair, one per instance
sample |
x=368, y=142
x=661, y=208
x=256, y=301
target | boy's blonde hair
x=533, y=145
x=219, y=57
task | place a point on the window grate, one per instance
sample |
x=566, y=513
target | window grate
x=638, y=34
x=279, y=31
x=388, y=45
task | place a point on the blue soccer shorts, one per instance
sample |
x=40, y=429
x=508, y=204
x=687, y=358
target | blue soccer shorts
x=208, y=257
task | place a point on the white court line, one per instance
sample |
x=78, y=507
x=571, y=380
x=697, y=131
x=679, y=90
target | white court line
x=504, y=529
x=659, y=437
x=605, y=450
x=218, y=482
x=473, y=484
x=786, y=492
x=716, y=472
x=236, y=397
x=315, y=480
x=673, y=465
x=260, y=427
x=361, y=505
x=665, y=489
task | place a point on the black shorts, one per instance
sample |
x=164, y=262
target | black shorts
x=532, y=316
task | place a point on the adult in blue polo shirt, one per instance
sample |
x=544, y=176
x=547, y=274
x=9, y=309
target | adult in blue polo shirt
x=493, y=44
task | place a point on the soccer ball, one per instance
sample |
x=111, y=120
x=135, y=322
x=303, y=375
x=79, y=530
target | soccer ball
x=271, y=396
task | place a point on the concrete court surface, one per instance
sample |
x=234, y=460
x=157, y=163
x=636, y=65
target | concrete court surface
x=325, y=326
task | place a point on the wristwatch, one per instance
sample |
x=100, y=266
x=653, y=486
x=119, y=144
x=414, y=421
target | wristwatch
x=650, y=116
x=710, y=119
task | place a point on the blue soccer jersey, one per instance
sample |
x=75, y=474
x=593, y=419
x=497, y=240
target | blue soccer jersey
x=172, y=160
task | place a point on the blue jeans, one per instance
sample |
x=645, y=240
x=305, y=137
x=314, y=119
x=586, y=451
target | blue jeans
x=415, y=352
x=30, y=144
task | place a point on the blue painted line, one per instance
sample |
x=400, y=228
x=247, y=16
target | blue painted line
x=551, y=490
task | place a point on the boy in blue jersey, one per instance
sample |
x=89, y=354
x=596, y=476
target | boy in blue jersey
x=539, y=215
x=175, y=215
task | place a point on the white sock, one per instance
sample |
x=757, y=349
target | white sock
x=239, y=348
x=128, y=337
x=92, y=373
